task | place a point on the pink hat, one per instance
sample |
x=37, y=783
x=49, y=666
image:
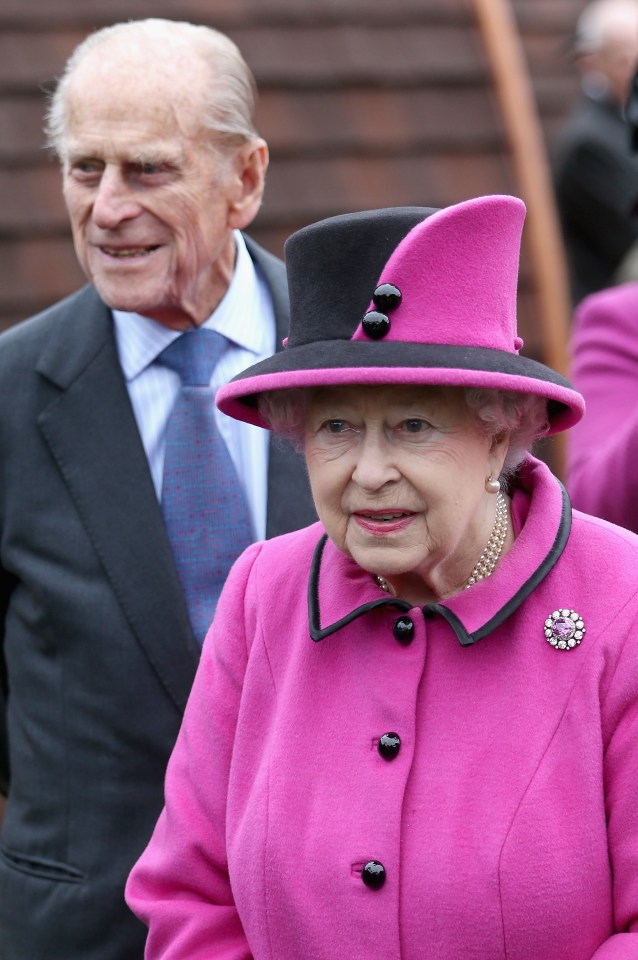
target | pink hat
x=407, y=295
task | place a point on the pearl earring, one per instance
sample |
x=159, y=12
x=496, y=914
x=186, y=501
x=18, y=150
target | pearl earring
x=492, y=485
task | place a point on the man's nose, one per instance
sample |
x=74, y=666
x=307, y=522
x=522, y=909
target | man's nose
x=114, y=201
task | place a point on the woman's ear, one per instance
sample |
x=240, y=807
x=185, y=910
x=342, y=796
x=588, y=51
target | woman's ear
x=250, y=164
x=497, y=453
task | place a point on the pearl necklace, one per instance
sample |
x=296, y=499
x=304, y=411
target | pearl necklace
x=383, y=583
x=494, y=547
x=490, y=556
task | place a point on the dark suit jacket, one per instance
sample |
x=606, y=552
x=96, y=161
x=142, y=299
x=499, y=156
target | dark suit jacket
x=99, y=654
x=596, y=181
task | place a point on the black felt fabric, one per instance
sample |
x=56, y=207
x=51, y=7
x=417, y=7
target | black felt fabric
x=334, y=266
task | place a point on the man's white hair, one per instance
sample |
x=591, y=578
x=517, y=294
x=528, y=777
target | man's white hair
x=603, y=20
x=230, y=100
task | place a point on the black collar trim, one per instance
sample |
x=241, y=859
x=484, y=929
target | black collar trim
x=555, y=551
x=314, y=613
x=466, y=639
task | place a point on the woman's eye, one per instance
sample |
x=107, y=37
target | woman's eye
x=415, y=425
x=335, y=426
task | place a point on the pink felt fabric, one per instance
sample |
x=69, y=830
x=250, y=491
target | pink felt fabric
x=228, y=397
x=602, y=467
x=507, y=824
x=458, y=273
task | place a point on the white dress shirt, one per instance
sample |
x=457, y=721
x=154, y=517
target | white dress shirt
x=245, y=316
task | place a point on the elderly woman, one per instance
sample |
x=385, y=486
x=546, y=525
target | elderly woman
x=414, y=730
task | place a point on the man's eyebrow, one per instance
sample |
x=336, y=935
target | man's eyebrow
x=73, y=153
x=155, y=156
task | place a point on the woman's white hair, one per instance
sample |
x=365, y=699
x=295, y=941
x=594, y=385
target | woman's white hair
x=230, y=100
x=520, y=416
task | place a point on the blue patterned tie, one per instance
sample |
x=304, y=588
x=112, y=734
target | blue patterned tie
x=204, y=506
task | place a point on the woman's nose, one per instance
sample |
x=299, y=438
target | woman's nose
x=375, y=465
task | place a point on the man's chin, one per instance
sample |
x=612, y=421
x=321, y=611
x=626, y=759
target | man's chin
x=122, y=294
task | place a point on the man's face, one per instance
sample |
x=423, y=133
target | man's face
x=615, y=59
x=150, y=202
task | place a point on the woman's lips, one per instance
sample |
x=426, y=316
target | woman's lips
x=383, y=522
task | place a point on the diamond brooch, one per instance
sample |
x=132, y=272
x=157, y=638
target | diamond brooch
x=564, y=629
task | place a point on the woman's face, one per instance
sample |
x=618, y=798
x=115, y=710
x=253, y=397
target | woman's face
x=398, y=477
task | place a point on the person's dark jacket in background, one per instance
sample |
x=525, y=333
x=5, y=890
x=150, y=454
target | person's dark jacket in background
x=596, y=182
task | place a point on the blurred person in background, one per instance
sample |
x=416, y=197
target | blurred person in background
x=595, y=171
x=601, y=472
x=602, y=450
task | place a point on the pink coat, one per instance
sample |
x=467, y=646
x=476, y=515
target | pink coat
x=602, y=469
x=506, y=822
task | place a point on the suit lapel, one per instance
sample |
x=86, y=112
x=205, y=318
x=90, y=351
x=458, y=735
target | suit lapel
x=274, y=272
x=290, y=503
x=91, y=432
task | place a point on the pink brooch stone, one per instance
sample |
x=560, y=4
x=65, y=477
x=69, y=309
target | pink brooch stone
x=564, y=629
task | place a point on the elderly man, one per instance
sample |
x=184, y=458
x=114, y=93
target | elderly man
x=595, y=170
x=123, y=498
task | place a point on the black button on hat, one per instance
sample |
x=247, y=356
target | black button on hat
x=389, y=745
x=403, y=630
x=387, y=296
x=376, y=324
x=373, y=874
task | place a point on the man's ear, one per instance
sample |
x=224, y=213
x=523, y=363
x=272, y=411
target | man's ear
x=249, y=174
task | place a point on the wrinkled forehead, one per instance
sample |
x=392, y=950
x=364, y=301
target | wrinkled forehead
x=131, y=121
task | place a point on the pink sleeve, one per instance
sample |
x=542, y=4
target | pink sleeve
x=620, y=738
x=180, y=887
x=602, y=462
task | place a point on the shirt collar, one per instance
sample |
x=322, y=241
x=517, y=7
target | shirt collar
x=140, y=340
x=541, y=515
